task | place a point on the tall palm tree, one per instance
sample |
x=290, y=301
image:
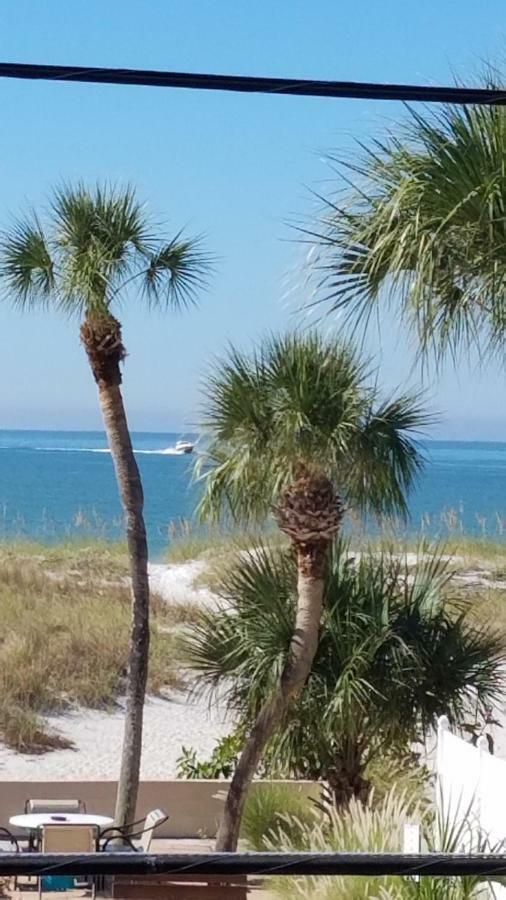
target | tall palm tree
x=397, y=649
x=294, y=430
x=423, y=225
x=96, y=248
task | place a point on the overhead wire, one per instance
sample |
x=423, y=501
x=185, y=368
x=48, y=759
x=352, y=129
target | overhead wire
x=256, y=84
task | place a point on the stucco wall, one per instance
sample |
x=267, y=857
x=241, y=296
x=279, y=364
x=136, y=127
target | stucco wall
x=192, y=810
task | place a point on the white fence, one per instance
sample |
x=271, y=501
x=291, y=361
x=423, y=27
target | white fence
x=471, y=791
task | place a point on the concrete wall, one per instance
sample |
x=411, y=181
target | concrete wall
x=192, y=810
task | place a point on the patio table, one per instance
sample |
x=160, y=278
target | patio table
x=32, y=821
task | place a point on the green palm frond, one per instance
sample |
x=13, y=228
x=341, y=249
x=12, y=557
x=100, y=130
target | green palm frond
x=26, y=266
x=303, y=399
x=96, y=244
x=241, y=647
x=423, y=225
x=386, y=461
x=396, y=651
x=175, y=273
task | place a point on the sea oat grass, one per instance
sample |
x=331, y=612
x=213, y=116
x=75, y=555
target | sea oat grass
x=64, y=642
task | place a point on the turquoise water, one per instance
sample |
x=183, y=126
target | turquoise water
x=55, y=484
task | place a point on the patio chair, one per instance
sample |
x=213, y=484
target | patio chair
x=67, y=839
x=9, y=844
x=36, y=806
x=33, y=805
x=129, y=835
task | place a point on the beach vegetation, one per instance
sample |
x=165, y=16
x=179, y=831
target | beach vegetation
x=272, y=807
x=89, y=251
x=189, y=542
x=397, y=648
x=65, y=642
x=88, y=558
x=378, y=827
x=295, y=432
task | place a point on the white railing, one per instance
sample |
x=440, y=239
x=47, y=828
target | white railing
x=471, y=791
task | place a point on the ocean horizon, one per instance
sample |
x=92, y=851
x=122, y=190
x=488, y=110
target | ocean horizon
x=59, y=484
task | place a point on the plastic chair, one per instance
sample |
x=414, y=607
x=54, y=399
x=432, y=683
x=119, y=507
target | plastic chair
x=8, y=844
x=128, y=834
x=38, y=806
x=67, y=839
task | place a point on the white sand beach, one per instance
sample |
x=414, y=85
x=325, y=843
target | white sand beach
x=97, y=737
x=176, y=583
x=169, y=724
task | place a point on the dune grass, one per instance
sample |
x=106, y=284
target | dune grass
x=216, y=548
x=64, y=639
x=188, y=543
x=488, y=607
x=91, y=557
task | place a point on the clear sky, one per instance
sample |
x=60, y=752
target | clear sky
x=236, y=167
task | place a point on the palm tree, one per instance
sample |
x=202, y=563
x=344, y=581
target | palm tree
x=295, y=431
x=423, y=225
x=95, y=248
x=397, y=649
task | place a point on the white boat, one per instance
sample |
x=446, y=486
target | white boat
x=184, y=447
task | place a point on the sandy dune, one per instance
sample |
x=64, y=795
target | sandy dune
x=97, y=737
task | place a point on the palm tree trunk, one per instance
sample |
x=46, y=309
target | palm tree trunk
x=101, y=337
x=302, y=650
x=130, y=487
x=346, y=777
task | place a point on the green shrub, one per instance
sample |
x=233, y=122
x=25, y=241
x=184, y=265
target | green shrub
x=373, y=827
x=272, y=807
x=221, y=763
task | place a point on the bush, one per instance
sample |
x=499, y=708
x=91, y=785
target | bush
x=221, y=763
x=396, y=650
x=372, y=827
x=272, y=807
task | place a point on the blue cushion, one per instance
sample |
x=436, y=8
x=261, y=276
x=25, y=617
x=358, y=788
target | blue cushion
x=57, y=882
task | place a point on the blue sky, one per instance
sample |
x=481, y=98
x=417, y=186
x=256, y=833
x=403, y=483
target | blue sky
x=235, y=167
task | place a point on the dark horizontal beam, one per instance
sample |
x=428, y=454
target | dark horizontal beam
x=115, y=863
x=258, y=85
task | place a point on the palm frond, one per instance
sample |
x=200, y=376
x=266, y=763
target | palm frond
x=423, y=225
x=240, y=648
x=97, y=245
x=386, y=458
x=26, y=266
x=176, y=273
x=302, y=399
x=396, y=650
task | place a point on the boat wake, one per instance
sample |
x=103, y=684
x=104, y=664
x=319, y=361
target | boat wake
x=167, y=451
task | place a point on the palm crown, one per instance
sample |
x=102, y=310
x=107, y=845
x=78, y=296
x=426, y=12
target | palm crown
x=424, y=223
x=302, y=401
x=94, y=244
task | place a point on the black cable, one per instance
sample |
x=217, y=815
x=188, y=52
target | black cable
x=379, y=864
x=256, y=85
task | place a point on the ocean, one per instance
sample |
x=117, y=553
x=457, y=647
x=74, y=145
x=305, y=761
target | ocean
x=59, y=484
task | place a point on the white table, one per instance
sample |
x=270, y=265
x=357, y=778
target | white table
x=32, y=821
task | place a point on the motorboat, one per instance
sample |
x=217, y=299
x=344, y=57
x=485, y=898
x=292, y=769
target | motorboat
x=184, y=447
